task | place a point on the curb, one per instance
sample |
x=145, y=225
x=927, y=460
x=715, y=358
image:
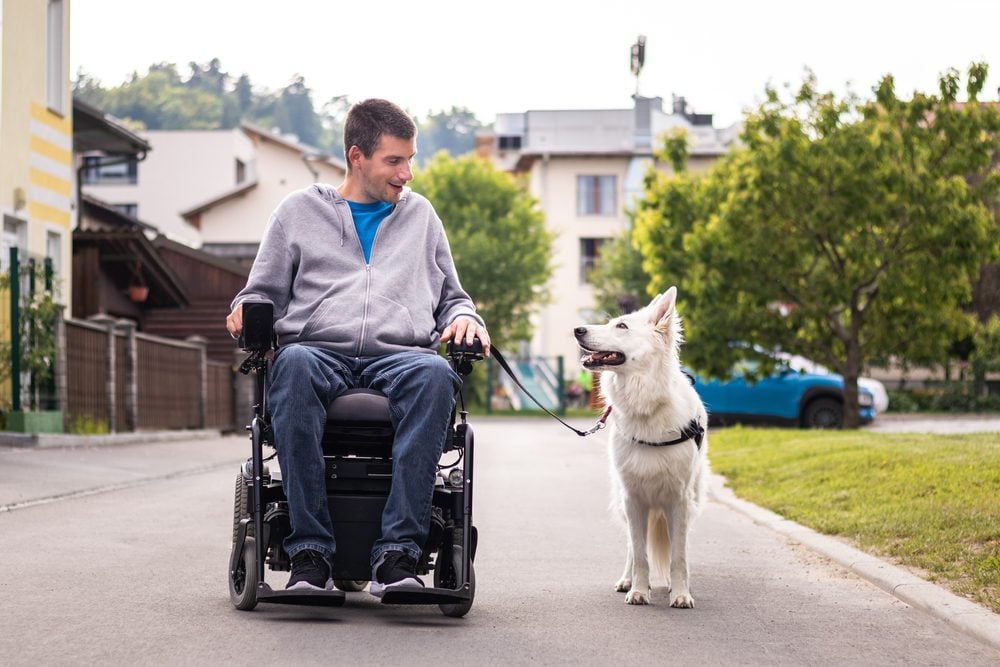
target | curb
x=51, y=440
x=967, y=616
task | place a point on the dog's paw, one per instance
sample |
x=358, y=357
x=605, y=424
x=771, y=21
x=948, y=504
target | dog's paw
x=637, y=597
x=683, y=602
x=623, y=585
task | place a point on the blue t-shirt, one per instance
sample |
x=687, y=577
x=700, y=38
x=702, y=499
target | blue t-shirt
x=366, y=220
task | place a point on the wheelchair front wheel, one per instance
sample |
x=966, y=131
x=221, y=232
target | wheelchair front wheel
x=243, y=582
x=446, y=568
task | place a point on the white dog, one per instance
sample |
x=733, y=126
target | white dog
x=657, y=439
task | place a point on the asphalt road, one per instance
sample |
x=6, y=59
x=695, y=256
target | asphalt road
x=117, y=555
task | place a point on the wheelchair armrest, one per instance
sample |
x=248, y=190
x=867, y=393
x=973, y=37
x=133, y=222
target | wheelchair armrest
x=258, y=327
x=457, y=350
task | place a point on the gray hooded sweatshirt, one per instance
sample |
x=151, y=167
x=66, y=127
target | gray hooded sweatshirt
x=311, y=267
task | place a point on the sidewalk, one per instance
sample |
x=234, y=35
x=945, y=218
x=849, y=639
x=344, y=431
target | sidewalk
x=45, y=440
x=965, y=615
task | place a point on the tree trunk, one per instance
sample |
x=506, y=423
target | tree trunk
x=852, y=369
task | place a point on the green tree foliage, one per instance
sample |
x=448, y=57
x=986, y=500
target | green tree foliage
x=210, y=98
x=36, y=314
x=621, y=284
x=846, y=230
x=453, y=131
x=498, y=238
x=618, y=278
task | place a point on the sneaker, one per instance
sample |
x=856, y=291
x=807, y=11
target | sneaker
x=310, y=571
x=395, y=569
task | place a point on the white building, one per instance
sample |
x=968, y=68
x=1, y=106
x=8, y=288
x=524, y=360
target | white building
x=179, y=186
x=586, y=167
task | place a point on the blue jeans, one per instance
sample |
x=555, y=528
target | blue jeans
x=421, y=391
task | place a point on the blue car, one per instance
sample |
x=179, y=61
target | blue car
x=785, y=397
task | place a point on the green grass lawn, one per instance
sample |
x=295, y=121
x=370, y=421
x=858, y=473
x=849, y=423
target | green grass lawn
x=928, y=502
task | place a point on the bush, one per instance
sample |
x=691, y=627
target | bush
x=87, y=425
x=946, y=397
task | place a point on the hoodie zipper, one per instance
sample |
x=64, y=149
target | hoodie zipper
x=368, y=279
x=364, y=317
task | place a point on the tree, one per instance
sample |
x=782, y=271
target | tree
x=846, y=230
x=498, y=239
x=453, y=131
x=621, y=284
x=619, y=280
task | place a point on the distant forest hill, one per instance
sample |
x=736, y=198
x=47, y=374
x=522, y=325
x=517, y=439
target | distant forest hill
x=210, y=98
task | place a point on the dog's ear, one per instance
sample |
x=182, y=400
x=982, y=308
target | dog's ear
x=662, y=306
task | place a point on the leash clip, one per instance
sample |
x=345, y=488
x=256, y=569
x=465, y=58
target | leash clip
x=595, y=428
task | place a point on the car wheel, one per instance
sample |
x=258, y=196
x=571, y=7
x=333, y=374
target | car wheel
x=823, y=413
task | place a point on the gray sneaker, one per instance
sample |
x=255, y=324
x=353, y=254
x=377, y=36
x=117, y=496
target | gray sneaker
x=395, y=569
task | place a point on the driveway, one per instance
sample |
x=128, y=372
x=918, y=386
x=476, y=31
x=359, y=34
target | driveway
x=895, y=422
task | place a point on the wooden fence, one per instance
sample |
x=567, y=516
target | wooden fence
x=130, y=381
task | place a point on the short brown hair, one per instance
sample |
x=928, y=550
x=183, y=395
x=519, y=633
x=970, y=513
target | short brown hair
x=367, y=121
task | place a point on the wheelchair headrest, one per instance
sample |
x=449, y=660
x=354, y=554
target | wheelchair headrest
x=359, y=405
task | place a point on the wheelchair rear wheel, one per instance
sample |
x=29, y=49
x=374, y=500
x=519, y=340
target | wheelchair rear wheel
x=243, y=582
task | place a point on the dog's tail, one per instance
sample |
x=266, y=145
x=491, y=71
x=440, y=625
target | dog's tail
x=658, y=538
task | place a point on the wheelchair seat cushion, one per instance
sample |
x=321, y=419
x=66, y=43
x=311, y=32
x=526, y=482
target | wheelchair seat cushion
x=359, y=405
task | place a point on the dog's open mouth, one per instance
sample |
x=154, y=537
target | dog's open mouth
x=593, y=359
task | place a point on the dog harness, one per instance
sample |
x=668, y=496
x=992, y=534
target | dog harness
x=693, y=431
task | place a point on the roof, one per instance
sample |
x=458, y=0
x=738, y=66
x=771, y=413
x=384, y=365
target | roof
x=130, y=256
x=232, y=193
x=94, y=130
x=293, y=145
x=106, y=213
x=163, y=243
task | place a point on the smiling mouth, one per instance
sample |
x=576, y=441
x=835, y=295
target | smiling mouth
x=592, y=359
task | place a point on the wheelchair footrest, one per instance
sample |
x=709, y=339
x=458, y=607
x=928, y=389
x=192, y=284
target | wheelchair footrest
x=303, y=597
x=424, y=596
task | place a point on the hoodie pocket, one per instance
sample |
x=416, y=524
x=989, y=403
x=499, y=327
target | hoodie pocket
x=390, y=323
x=332, y=323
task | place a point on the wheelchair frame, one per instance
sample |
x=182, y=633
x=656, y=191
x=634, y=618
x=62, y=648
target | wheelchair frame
x=358, y=479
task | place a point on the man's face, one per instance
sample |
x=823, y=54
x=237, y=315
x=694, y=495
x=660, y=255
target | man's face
x=382, y=176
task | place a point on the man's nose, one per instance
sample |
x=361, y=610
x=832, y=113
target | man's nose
x=406, y=174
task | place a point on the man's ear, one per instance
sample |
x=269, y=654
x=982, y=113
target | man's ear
x=354, y=154
x=662, y=306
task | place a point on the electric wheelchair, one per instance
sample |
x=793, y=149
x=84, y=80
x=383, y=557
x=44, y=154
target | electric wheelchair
x=357, y=450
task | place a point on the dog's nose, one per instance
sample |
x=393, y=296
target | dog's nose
x=579, y=332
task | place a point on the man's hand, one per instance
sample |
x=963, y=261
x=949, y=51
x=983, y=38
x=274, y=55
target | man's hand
x=467, y=328
x=234, y=321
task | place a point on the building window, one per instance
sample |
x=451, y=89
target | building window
x=509, y=143
x=53, y=251
x=590, y=250
x=131, y=210
x=15, y=235
x=595, y=195
x=55, y=74
x=110, y=170
x=241, y=171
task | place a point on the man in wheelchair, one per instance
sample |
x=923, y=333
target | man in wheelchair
x=364, y=289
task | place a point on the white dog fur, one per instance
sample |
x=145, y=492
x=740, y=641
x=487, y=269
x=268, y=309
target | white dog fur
x=659, y=490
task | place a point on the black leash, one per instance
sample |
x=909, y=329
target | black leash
x=506, y=367
x=692, y=431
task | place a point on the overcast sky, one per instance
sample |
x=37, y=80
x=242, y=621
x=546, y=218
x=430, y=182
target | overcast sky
x=515, y=55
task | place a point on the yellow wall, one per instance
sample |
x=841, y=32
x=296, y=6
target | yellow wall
x=36, y=142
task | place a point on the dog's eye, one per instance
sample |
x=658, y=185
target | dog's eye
x=622, y=325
